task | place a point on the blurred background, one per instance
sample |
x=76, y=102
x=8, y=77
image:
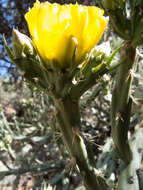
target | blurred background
x=31, y=155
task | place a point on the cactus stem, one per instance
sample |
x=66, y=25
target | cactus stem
x=68, y=118
x=121, y=103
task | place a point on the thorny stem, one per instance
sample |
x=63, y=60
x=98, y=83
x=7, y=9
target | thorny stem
x=68, y=117
x=121, y=104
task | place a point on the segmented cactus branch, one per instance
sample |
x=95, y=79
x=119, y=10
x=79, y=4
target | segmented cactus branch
x=121, y=103
x=68, y=118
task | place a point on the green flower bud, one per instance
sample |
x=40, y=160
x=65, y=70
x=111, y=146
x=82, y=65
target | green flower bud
x=21, y=44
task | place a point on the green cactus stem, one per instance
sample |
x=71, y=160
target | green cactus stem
x=68, y=118
x=121, y=103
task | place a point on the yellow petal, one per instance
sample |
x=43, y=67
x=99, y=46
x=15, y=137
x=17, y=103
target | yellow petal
x=57, y=29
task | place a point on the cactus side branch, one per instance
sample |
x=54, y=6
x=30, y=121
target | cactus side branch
x=121, y=103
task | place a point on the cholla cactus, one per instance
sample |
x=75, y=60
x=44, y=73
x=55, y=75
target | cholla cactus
x=61, y=50
x=62, y=39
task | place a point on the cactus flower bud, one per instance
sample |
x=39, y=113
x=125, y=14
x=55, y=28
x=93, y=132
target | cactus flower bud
x=21, y=44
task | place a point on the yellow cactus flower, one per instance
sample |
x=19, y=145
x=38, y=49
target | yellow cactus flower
x=57, y=30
